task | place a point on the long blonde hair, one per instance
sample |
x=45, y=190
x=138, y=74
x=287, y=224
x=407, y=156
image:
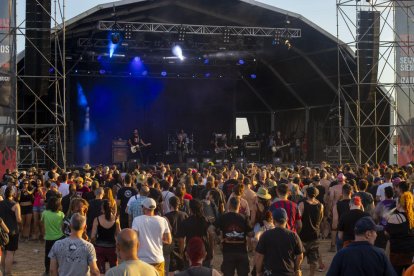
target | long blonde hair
x=406, y=202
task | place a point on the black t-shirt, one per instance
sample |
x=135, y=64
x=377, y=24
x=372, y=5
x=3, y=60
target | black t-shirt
x=228, y=187
x=192, y=227
x=342, y=206
x=347, y=223
x=234, y=228
x=94, y=211
x=89, y=196
x=321, y=194
x=124, y=194
x=280, y=247
x=175, y=218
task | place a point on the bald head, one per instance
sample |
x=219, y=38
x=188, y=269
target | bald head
x=127, y=241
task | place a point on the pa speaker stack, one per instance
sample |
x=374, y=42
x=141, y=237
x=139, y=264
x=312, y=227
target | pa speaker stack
x=37, y=46
x=368, y=33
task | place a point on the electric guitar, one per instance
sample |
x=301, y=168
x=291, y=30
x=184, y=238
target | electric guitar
x=276, y=148
x=136, y=148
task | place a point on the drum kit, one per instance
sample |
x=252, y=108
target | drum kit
x=186, y=145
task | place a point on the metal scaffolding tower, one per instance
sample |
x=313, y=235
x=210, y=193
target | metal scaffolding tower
x=368, y=114
x=41, y=115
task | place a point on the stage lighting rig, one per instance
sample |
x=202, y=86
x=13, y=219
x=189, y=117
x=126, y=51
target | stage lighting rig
x=181, y=33
x=226, y=35
x=128, y=31
x=115, y=37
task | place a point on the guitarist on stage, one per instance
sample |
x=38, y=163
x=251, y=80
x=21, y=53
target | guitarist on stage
x=136, y=144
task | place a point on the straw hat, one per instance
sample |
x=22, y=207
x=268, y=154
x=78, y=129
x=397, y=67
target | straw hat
x=263, y=193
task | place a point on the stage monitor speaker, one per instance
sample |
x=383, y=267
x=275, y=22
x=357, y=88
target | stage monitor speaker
x=253, y=155
x=37, y=46
x=119, y=154
x=368, y=35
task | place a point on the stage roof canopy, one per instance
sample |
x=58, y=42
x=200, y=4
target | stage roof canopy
x=296, y=69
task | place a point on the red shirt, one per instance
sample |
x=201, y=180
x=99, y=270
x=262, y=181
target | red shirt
x=188, y=196
x=291, y=209
x=82, y=191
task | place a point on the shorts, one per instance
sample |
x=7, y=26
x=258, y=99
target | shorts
x=311, y=251
x=13, y=244
x=38, y=209
x=26, y=210
x=103, y=255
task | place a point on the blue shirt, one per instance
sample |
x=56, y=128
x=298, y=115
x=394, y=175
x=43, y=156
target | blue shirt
x=135, y=210
x=361, y=258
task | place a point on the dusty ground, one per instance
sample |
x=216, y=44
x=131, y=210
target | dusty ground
x=29, y=259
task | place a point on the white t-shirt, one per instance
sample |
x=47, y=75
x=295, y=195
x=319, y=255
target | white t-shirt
x=166, y=195
x=381, y=190
x=64, y=189
x=150, y=231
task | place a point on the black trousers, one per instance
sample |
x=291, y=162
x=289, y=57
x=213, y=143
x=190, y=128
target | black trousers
x=237, y=261
x=48, y=246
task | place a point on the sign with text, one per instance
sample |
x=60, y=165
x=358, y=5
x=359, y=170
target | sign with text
x=7, y=86
x=404, y=37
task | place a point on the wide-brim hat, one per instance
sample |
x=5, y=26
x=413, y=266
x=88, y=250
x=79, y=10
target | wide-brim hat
x=263, y=193
x=87, y=167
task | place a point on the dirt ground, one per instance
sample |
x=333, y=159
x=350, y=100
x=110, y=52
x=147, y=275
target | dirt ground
x=30, y=261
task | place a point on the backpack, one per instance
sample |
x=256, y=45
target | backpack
x=4, y=237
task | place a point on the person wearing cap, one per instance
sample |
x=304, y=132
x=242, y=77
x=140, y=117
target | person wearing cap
x=312, y=214
x=153, y=231
x=279, y=251
x=347, y=221
x=234, y=229
x=387, y=183
x=361, y=257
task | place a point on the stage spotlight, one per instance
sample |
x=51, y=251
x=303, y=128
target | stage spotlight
x=112, y=48
x=253, y=76
x=241, y=62
x=206, y=61
x=51, y=70
x=128, y=31
x=164, y=73
x=145, y=72
x=207, y=75
x=115, y=38
x=288, y=44
x=181, y=33
x=137, y=59
x=178, y=52
x=226, y=35
x=102, y=72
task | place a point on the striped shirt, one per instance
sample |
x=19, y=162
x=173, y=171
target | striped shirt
x=291, y=209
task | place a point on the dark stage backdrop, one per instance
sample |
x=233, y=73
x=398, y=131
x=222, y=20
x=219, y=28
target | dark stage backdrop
x=103, y=109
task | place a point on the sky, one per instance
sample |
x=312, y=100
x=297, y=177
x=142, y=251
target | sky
x=321, y=12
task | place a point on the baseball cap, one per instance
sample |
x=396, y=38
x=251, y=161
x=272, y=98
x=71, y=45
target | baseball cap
x=365, y=224
x=279, y=215
x=149, y=203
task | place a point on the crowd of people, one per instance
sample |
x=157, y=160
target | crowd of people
x=265, y=220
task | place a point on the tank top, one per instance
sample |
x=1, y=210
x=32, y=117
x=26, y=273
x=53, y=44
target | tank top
x=342, y=206
x=8, y=215
x=311, y=221
x=105, y=236
x=26, y=197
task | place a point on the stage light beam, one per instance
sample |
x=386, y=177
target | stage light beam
x=178, y=52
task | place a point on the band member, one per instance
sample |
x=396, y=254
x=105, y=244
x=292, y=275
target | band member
x=220, y=145
x=270, y=146
x=279, y=142
x=182, y=145
x=136, y=145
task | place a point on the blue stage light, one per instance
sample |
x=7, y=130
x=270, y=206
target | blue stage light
x=102, y=72
x=206, y=61
x=145, y=73
x=207, y=75
x=241, y=61
x=253, y=76
x=163, y=73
